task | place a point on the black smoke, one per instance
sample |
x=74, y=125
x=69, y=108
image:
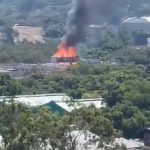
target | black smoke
x=81, y=15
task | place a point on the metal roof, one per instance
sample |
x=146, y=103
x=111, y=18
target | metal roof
x=38, y=100
x=144, y=19
x=60, y=99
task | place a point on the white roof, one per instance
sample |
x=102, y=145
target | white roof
x=146, y=18
x=78, y=103
x=128, y=19
x=38, y=100
x=95, y=26
x=129, y=143
x=59, y=99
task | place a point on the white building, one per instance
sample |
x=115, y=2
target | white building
x=28, y=33
x=57, y=102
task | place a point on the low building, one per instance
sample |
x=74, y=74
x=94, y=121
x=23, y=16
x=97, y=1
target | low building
x=59, y=103
x=28, y=34
x=65, y=54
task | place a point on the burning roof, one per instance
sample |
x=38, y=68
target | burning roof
x=65, y=51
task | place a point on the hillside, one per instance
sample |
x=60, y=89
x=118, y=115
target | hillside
x=30, y=11
x=38, y=11
x=51, y=14
x=109, y=65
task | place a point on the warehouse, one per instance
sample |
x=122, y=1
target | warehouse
x=58, y=103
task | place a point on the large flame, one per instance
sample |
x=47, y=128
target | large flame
x=66, y=52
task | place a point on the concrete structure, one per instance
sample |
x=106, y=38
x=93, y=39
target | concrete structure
x=129, y=144
x=85, y=140
x=28, y=34
x=97, y=102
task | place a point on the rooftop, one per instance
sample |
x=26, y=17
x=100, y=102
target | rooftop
x=144, y=19
x=60, y=99
x=38, y=100
x=29, y=33
x=130, y=144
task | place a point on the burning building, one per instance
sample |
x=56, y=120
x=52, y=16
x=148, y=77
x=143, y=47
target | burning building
x=79, y=17
x=65, y=54
x=74, y=32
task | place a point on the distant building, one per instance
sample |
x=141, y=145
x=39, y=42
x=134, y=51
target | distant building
x=138, y=23
x=59, y=103
x=65, y=54
x=147, y=137
x=129, y=144
x=139, y=27
x=28, y=34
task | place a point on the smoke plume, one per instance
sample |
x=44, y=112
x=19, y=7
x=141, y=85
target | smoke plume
x=80, y=15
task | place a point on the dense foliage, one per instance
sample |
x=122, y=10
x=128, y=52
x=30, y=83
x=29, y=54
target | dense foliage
x=51, y=14
x=27, y=52
x=22, y=128
x=124, y=88
x=24, y=6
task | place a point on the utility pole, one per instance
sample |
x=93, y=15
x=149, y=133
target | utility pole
x=126, y=11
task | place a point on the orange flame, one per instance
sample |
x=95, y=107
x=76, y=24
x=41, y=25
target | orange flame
x=66, y=52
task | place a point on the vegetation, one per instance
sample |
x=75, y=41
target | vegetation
x=19, y=7
x=119, y=48
x=120, y=86
x=113, y=48
x=125, y=86
x=27, y=52
x=21, y=128
x=51, y=14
